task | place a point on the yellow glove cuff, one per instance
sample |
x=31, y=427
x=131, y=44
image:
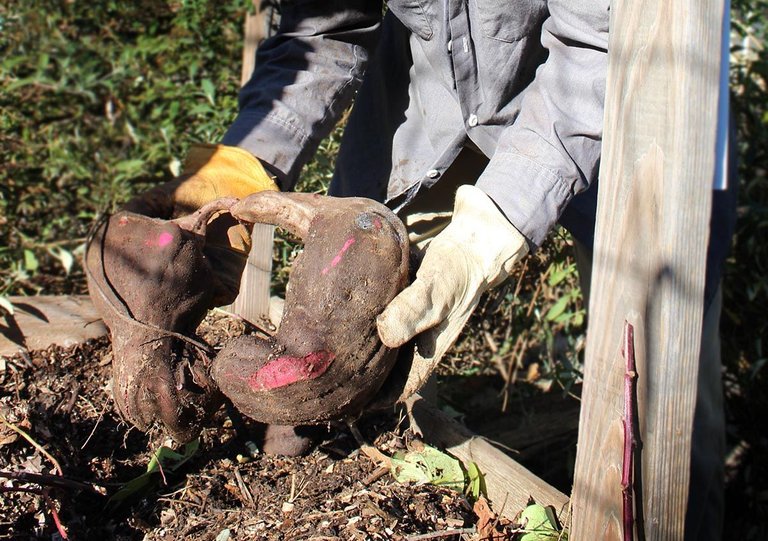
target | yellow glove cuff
x=231, y=171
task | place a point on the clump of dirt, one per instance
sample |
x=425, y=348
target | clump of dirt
x=62, y=399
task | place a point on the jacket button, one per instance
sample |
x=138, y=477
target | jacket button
x=433, y=173
x=472, y=120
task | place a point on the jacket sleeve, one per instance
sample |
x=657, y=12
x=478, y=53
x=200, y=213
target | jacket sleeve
x=552, y=150
x=305, y=77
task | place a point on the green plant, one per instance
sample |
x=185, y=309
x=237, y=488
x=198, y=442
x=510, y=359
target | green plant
x=745, y=285
x=98, y=100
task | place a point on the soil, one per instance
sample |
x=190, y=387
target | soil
x=61, y=398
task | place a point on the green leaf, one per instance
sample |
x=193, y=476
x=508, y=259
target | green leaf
x=560, y=273
x=164, y=460
x=129, y=166
x=6, y=305
x=427, y=465
x=539, y=523
x=476, y=482
x=558, y=308
x=30, y=261
x=209, y=90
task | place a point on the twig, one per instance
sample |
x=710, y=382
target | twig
x=247, y=496
x=536, y=293
x=628, y=466
x=43, y=479
x=293, y=496
x=361, y=441
x=442, y=533
x=34, y=444
x=520, y=278
x=93, y=430
x=377, y=474
x=72, y=399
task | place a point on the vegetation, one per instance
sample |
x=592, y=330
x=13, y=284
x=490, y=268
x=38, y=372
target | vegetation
x=744, y=324
x=99, y=100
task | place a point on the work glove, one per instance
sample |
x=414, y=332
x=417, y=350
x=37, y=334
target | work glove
x=475, y=252
x=212, y=172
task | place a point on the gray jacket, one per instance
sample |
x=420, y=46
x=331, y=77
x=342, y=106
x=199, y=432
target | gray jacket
x=523, y=81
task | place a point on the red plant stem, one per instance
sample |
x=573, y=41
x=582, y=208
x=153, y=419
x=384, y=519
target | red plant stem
x=43, y=493
x=55, y=514
x=628, y=466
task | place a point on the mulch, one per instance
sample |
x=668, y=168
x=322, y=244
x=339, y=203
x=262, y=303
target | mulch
x=60, y=397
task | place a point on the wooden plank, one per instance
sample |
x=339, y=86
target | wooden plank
x=509, y=484
x=42, y=321
x=652, y=231
x=252, y=304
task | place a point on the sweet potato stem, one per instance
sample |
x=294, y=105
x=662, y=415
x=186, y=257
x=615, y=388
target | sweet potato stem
x=628, y=466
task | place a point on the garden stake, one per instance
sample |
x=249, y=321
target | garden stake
x=628, y=466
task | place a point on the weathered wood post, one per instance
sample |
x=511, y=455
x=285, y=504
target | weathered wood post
x=654, y=204
x=252, y=304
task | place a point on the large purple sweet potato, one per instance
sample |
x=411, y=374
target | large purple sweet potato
x=326, y=360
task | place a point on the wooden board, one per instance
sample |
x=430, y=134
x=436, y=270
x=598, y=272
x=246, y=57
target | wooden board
x=652, y=231
x=39, y=322
x=509, y=484
x=252, y=304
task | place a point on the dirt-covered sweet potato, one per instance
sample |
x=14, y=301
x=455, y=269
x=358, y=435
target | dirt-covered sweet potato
x=326, y=360
x=152, y=284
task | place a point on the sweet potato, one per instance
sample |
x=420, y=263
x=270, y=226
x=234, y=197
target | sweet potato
x=152, y=284
x=326, y=360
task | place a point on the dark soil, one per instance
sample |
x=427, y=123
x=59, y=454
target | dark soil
x=62, y=399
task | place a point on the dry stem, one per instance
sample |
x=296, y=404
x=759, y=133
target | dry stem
x=628, y=466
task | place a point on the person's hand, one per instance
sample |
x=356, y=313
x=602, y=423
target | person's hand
x=474, y=253
x=212, y=172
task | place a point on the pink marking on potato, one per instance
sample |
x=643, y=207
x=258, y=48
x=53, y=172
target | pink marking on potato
x=377, y=223
x=163, y=239
x=123, y=220
x=336, y=260
x=286, y=370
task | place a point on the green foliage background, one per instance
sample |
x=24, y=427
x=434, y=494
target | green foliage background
x=99, y=100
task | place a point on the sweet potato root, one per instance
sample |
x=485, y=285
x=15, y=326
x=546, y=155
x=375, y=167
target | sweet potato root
x=326, y=360
x=152, y=284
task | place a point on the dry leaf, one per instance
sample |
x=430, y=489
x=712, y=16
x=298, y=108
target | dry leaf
x=487, y=523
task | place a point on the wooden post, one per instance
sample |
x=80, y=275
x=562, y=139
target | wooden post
x=252, y=304
x=649, y=265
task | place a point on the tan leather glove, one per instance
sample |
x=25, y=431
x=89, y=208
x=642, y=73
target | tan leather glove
x=211, y=172
x=474, y=253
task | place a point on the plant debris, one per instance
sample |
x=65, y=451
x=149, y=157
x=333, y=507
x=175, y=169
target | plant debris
x=225, y=489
